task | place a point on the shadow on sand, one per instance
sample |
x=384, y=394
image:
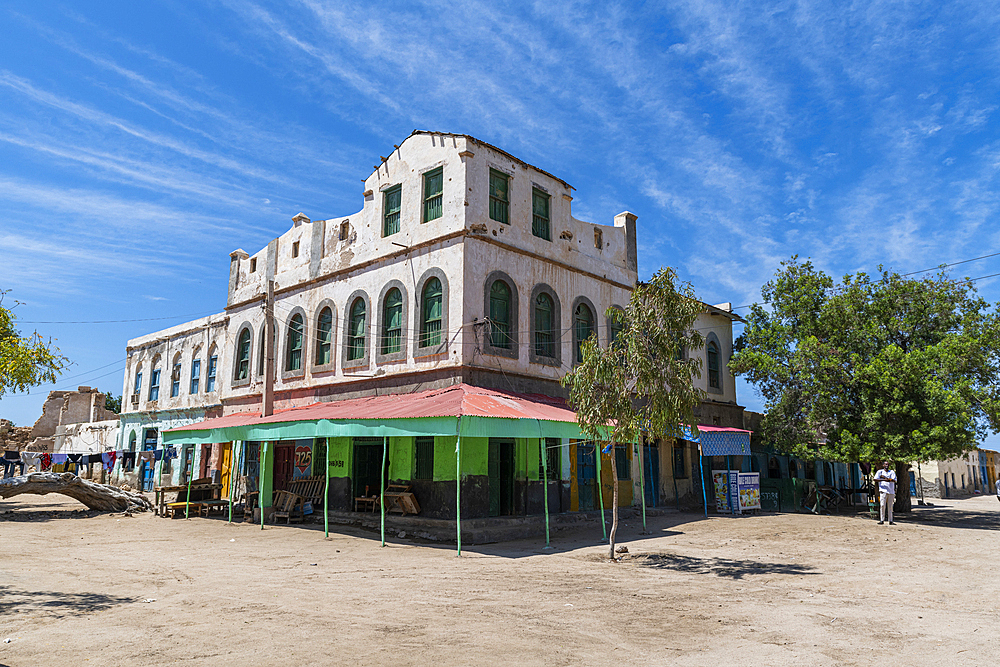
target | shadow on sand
x=720, y=567
x=53, y=604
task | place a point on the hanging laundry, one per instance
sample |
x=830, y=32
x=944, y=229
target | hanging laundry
x=93, y=458
x=108, y=458
x=158, y=454
x=59, y=459
x=46, y=461
x=171, y=452
x=74, y=458
x=128, y=460
x=148, y=456
x=12, y=455
x=31, y=459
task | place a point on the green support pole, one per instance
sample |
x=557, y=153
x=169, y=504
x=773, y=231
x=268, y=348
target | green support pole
x=642, y=483
x=729, y=491
x=232, y=465
x=381, y=502
x=187, y=502
x=701, y=467
x=458, y=485
x=600, y=488
x=543, y=450
x=260, y=474
x=326, y=493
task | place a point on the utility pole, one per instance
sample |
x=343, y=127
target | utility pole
x=267, y=409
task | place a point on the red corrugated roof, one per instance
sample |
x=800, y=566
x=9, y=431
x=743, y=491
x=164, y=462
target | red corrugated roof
x=455, y=401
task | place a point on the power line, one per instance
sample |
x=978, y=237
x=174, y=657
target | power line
x=144, y=319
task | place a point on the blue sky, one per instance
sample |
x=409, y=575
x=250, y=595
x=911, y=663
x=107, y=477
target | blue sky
x=140, y=143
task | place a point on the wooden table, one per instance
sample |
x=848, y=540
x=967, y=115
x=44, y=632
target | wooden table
x=160, y=494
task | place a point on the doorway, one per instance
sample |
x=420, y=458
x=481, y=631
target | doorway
x=284, y=463
x=368, y=466
x=586, y=475
x=651, y=471
x=149, y=467
x=501, y=476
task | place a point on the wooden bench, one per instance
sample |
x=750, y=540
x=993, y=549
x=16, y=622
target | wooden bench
x=196, y=508
x=310, y=488
x=365, y=502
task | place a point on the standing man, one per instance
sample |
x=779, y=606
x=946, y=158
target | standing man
x=886, y=479
x=998, y=488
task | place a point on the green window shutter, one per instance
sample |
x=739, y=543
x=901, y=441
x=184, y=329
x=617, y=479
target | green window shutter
x=324, y=336
x=622, y=463
x=390, y=216
x=430, y=325
x=424, y=454
x=243, y=356
x=392, y=322
x=544, y=335
x=713, y=366
x=500, y=315
x=540, y=214
x=551, y=450
x=293, y=361
x=356, y=331
x=433, y=194
x=499, y=196
x=584, y=323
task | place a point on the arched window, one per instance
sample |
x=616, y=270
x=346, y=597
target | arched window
x=293, y=358
x=713, y=366
x=392, y=322
x=242, y=366
x=356, y=331
x=583, y=322
x=500, y=315
x=430, y=314
x=545, y=340
x=131, y=442
x=324, y=337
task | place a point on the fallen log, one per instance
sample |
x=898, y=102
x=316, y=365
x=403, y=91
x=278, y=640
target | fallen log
x=101, y=497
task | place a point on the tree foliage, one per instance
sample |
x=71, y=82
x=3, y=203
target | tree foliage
x=642, y=381
x=884, y=368
x=113, y=403
x=25, y=361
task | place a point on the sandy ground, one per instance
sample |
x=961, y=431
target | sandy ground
x=80, y=588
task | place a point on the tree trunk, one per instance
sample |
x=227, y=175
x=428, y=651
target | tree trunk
x=902, y=503
x=614, y=500
x=99, y=497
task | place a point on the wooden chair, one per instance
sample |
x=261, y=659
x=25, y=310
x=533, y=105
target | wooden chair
x=366, y=502
x=310, y=488
x=287, y=506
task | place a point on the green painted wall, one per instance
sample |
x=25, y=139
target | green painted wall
x=267, y=460
x=340, y=462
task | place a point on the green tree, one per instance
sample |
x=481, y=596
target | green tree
x=871, y=369
x=641, y=382
x=113, y=403
x=25, y=361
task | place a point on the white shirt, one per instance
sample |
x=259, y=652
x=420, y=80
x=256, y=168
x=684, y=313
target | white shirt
x=886, y=480
x=998, y=487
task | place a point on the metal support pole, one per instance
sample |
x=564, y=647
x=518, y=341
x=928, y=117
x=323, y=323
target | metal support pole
x=232, y=478
x=326, y=492
x=642, y=483
x=544, y=452
x=701, y=467
x=729, y=487
x=381, y=502
x=458, y=486
x=187, y=503
x=600, y=489
x=262, y=455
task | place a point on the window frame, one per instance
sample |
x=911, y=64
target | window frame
x=194, y=385
x=623, y=462
x=391, y=331
x=582, y=301
x=347, y=361
x=175, y=382
x=153, y=393
x=324, y=337
x=513, y=351
x=499, y=206
x=712, y=342
x=427, y=201
x=212, y=373
x=244, y=353
x=538, y=221
x=551, y=448
x=555, y=330
x=431, y=333
x=423, y=457
x=387, y=212
x=441, y=346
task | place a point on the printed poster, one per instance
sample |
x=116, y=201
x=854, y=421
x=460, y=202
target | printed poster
x=749, y=490
x=303, y=461
x=721, y=485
